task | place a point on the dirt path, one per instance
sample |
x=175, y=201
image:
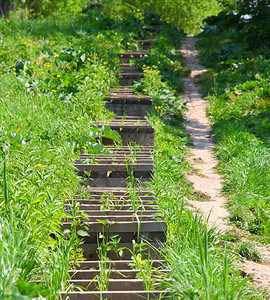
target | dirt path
x=206, y=180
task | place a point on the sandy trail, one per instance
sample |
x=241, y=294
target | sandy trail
x=206, y=180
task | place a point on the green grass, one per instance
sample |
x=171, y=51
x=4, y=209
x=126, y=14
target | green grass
x=198, y=264
x=238, y=90
x=54, y=75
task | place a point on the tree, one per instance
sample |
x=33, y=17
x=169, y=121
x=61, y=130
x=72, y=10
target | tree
x=44, y=7
x=184, y=13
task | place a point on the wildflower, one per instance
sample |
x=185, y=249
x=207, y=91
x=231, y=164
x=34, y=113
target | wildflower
x=58, y=75
x=7, y=20
x=157, y=107
x=8, y=92
x=38, y=166
x=25, y=42
x=39, y=40
x=39, y=58
x=14, y=69
x=104, y=63
x=138, y=10
x=103, y=67
x=144, y=66
x=88, y=58
x=29, y=40
x=53, y=90
x=55, y=56
x=37, y=63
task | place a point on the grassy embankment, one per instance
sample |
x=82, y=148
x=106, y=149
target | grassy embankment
x=199, y=265
x=237, y=85
x=54, y=76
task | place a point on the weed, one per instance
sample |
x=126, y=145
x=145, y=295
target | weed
x=248, y=250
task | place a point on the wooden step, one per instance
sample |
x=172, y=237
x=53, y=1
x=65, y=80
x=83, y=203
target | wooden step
x=126, y=57
x=154, y=28
x=114, y=284
x=128, y=226
x=93, y=215
x=113, y=175
x=115, y=264
x=123, y=89
x=115, y=191
x=90, y=251
x=131, y=130
x=129, y=78
x=113, y=274
x=128, y=68
x=113, y=205
x=129, y=104
x=112, y=295
x=146, y=43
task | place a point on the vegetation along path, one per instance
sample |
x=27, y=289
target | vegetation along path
x=205, y=180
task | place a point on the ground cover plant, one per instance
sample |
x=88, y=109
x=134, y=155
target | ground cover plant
x=237, y=85
x=54, y=75
x=199, y=265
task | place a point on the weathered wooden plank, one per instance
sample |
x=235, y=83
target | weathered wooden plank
x=115, y=264
x=112, y=295
x=113, y=285
x=145, y=227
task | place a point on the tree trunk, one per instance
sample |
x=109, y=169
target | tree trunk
x=5, y=6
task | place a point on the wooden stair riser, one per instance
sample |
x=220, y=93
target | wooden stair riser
x=127, y=68
x=126, y=79
x=116, y=206
x=146, y=44
x=91, y=253
x=120, y=213
x=131, y=130
x=117, y=192
x=144, y=227
x=115, y=264
x=114, y=284
x=129, y=109
x=126, y=57
x=112, y=295
x=114, y=182
x=116, y=172
x=91, y=274
x=138, y=136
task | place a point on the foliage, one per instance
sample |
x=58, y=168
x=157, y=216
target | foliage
x=46, y=7
x=53, y=83
x=238, y=87
x=198, y=265
x=186, y=14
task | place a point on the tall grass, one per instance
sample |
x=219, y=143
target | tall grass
x=198, y=264
x=239, y=111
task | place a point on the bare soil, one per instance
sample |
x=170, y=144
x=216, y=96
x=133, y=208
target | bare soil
x=206, y=181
